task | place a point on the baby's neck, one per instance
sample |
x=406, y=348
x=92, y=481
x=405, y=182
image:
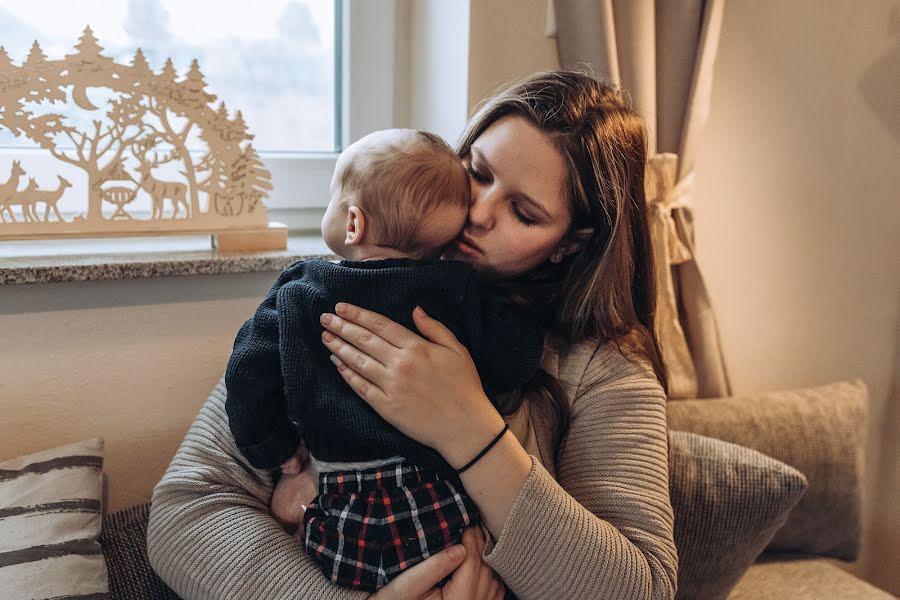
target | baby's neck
x=364, y=253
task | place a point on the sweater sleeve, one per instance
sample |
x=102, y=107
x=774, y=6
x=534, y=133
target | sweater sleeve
x=256, y=408
x=605, y=528
x=210, y=534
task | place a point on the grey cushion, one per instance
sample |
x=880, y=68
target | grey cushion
x=821, y=432
x=728, y=501
x=124, y=542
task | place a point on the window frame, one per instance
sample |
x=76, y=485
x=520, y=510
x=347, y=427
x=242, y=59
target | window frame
x=367, y=88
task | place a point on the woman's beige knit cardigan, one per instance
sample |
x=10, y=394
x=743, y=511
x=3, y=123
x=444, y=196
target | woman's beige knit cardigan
x=596, y=525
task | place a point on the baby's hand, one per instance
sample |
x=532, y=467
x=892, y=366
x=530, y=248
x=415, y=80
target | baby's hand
x=297, y=462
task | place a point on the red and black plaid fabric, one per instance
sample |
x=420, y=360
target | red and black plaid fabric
x=366, y=527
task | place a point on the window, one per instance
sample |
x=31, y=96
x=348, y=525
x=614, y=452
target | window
x=307, y=75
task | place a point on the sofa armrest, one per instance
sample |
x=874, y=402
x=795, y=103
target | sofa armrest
x=821, y=432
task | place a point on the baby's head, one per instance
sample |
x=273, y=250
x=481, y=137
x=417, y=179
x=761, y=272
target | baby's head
x=396, y=193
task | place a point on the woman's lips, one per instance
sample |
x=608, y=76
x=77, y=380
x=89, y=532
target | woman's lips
x=467, y=246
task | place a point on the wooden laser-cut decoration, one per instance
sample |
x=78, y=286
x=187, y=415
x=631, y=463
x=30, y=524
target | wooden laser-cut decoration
x=146, y=125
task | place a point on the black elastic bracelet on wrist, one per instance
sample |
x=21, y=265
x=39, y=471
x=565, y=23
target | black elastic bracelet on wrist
x=485, y=451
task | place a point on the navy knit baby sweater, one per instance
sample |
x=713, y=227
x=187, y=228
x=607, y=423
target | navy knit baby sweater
x=282, y=387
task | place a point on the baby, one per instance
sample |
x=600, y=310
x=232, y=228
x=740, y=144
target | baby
x=386, y=502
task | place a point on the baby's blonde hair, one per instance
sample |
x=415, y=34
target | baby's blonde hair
x=398, y=184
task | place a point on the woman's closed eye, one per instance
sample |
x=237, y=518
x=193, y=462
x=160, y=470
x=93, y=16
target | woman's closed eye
x=479, y=177
x=483, y=179
x=521, y=216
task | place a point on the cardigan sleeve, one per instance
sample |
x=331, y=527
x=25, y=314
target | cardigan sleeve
x=604, y=529
x=210, y=534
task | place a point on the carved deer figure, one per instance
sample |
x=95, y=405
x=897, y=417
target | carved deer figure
x=8, y=188
x=30, y=196
x=160, y=191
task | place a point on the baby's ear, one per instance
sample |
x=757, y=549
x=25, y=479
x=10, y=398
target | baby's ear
x=356, y=226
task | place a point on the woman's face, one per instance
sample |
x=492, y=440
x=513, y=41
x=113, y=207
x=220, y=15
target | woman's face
x=519, y=214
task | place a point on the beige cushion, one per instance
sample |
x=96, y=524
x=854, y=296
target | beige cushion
x=50, y=518
x=804, y=579
x=728, y=501
x=821, y=432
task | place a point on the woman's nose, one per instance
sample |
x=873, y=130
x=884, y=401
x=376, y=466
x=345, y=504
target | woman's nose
x=481, y=211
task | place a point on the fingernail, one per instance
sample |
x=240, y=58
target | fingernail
x=325, y=319
x=456, y=552
x=340, y=308
x=327, y=336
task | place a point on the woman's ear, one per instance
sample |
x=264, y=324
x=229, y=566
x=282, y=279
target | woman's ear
x=356, y=226
x=571, y=244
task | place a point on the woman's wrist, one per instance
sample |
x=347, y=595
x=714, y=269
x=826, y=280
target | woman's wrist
x=495, y=481
x=471, y=438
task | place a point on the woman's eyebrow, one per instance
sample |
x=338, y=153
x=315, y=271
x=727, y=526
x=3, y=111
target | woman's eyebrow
x=521, y=195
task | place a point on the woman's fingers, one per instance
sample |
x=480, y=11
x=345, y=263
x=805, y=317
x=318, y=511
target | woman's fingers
x=474, y=579
x=389, y=331
x=464, y=582
x=434, y=330
x=489, y=582
x=365, y=389
x=357, y=335
x=359, y=361
x=419, y=581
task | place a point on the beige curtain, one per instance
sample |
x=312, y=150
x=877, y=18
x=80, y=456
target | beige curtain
x=662, y=53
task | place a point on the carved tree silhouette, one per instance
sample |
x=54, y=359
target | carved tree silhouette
x=220, y=166
x=145, y=106
x=98, y=151
x=38, y=70
x=251, y=178
x=187, y=99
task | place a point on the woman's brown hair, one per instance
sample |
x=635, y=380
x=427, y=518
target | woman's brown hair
x=606, y=291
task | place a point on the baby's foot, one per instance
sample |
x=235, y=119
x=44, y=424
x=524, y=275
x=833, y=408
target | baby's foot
x=295, y=463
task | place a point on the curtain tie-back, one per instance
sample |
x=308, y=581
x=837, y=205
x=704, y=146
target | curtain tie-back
x=664, y=195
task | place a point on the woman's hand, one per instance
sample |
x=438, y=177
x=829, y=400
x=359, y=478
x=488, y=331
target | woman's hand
x=429, y=390
x=474, y=578
x=293, y=493
x=471, y=580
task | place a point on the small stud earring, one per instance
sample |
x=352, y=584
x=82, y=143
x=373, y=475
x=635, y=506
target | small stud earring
x=557, y=257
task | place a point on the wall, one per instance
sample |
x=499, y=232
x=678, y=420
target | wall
x=506, y=41
x=130, y=361
x=797, y=215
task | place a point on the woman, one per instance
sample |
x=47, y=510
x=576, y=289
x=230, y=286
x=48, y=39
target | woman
x=575, y=495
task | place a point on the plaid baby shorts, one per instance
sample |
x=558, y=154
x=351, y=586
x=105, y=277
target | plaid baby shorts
x=366, y=527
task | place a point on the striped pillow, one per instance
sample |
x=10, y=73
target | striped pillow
x=50, y=518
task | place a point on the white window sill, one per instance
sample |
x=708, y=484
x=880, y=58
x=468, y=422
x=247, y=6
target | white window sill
x=52, y=261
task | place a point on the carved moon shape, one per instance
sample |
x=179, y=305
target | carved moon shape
x=79, y=95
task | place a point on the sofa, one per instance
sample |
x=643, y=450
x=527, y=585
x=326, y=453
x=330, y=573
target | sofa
x=819, y=431
x=765, y=488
